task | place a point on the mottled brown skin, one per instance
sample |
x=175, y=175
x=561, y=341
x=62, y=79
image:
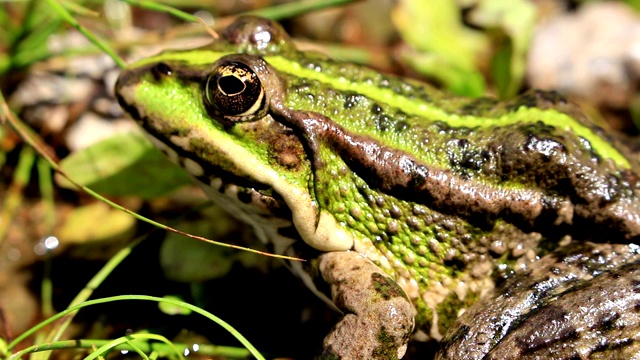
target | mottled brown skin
x=580, y=302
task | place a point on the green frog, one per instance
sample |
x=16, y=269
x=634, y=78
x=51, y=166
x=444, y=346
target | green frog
x=500, y=229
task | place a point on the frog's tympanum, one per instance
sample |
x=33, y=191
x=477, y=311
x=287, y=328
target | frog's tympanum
x=501, y=229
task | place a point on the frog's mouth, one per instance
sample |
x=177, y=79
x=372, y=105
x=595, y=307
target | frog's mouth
x=226, y=188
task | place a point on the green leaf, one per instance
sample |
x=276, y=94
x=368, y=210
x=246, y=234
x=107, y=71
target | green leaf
x=3, y=347
x=126, y=164
x=635, y=4
x=515, y=19
x=187, y=260
x=96, y=222
x=443, y=48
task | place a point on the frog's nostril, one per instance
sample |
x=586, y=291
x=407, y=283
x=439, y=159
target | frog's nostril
x=161, y=70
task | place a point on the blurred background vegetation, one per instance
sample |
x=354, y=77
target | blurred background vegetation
x=54, y=238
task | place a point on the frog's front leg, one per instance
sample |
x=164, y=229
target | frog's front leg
x=378, y=316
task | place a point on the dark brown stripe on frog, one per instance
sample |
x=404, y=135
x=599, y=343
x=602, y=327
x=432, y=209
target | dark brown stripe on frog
x=400, y=174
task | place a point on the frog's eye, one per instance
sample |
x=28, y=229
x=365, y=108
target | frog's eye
x=234, y=91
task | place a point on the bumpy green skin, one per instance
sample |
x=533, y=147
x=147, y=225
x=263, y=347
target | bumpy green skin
x=448, y=196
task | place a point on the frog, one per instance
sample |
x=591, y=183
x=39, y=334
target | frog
x=500, y=229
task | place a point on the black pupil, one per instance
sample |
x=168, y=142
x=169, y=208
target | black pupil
x=234, y=89
x=231, y=85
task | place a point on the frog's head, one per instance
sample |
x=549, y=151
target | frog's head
x=213, y=111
